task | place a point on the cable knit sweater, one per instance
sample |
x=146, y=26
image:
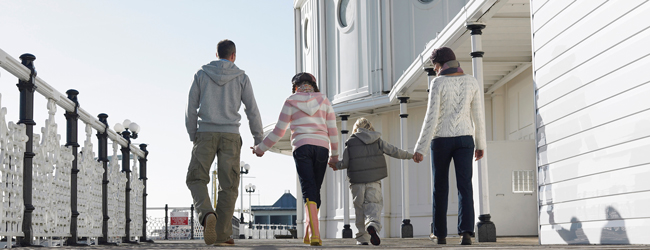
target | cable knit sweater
x=455, y=109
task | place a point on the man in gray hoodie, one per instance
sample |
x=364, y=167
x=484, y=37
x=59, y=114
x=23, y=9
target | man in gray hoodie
x=212, y=121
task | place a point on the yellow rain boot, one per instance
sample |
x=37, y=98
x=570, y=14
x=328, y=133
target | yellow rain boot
x=314, y=236
x=307, y=231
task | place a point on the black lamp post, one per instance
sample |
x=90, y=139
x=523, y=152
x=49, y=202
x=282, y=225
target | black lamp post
x=123, y=128
x=243, y=169
x=250, y=188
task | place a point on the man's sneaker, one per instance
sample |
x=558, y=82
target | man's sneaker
x=229, y=242
x=362, y=243
x=467, y=239
x=374, y=238
x=209, y=232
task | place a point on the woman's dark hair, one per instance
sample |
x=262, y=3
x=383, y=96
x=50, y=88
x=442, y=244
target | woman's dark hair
x=294, y=86
x=442, y=55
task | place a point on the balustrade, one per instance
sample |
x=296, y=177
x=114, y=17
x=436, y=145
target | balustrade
x=39, y=174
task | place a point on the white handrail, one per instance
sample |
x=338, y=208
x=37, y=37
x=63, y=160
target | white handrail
x=14, y=67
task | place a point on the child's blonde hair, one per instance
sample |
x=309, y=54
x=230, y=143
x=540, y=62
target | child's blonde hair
x=362, y=122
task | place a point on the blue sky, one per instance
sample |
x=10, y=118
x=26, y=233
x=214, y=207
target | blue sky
x=136, y=60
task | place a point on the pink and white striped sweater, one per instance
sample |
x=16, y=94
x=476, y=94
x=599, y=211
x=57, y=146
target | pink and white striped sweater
x=312, y=121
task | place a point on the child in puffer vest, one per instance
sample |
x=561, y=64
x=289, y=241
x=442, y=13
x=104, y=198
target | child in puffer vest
x=363, y=157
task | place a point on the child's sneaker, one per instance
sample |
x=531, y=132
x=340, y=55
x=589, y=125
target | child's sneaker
x=374, y=238
x=362, y=243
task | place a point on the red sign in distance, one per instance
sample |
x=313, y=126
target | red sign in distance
x=179, y=219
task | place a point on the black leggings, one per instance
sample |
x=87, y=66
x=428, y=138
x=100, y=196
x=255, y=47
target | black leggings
x=311, y=163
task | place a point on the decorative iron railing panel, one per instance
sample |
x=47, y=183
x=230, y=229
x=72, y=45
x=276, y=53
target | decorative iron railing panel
x=65, y=196
x=12, y=150
x=116, y=196
x=89, y=222
x=52, y=165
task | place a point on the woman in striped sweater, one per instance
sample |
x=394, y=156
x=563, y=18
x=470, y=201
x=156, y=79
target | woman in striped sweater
x=314, y=135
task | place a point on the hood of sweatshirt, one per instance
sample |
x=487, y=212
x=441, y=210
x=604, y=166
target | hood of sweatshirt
x=367, y=136
x=222, y=71
x=307, y=102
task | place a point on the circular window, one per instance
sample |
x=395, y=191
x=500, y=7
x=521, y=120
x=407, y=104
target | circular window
x=345, y=14
x=306, y=33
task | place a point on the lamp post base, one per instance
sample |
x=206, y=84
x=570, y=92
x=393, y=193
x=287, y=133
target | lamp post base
x=487, y=231
x=347, y=231
x=407, y=229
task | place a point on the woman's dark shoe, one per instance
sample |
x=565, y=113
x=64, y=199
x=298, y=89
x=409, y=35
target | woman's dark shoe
x=467, y=239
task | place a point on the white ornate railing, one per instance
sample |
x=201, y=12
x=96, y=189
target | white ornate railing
x=90, y=196
x=12, y=150
x=116, y=189
x=56, y=173
x=137, y=188
x=51, y=181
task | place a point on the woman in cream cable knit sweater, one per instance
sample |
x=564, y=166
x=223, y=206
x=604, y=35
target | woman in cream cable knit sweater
x=455, y=122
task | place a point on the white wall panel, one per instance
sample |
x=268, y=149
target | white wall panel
x=619, y=131
x=602, y=52
x=601, y=184
x=597, y=232
x=602, y=160
x=559, y=24
x=549, y=11
x=603, y=21
x=582, y=114
x=593, y=121
x=629, y=205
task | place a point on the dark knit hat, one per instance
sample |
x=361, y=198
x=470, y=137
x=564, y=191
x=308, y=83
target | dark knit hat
x=442, y=55
x=303, y=76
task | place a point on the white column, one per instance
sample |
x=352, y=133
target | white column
x=300, y=210
x=407, y=228
x=430, y=74
x=486, y=229
x=347, y=231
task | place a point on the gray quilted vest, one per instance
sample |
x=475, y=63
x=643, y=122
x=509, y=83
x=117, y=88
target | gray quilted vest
x=367, y=162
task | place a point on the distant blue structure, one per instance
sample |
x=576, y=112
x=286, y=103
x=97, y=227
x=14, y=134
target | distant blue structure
x=282, y=212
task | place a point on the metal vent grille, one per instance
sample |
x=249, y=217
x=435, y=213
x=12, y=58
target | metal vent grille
x=522, y=181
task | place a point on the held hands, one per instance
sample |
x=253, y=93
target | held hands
x=257, y=151
x=332, y=163
x=417, y=157
x=478, y=154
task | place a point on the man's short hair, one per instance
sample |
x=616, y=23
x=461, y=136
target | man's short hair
x=225, y=48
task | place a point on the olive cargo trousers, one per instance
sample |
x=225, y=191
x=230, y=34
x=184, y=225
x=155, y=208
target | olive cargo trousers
x=227, y=148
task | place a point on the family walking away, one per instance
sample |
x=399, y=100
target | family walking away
x=453, y=129
x=212, y=120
